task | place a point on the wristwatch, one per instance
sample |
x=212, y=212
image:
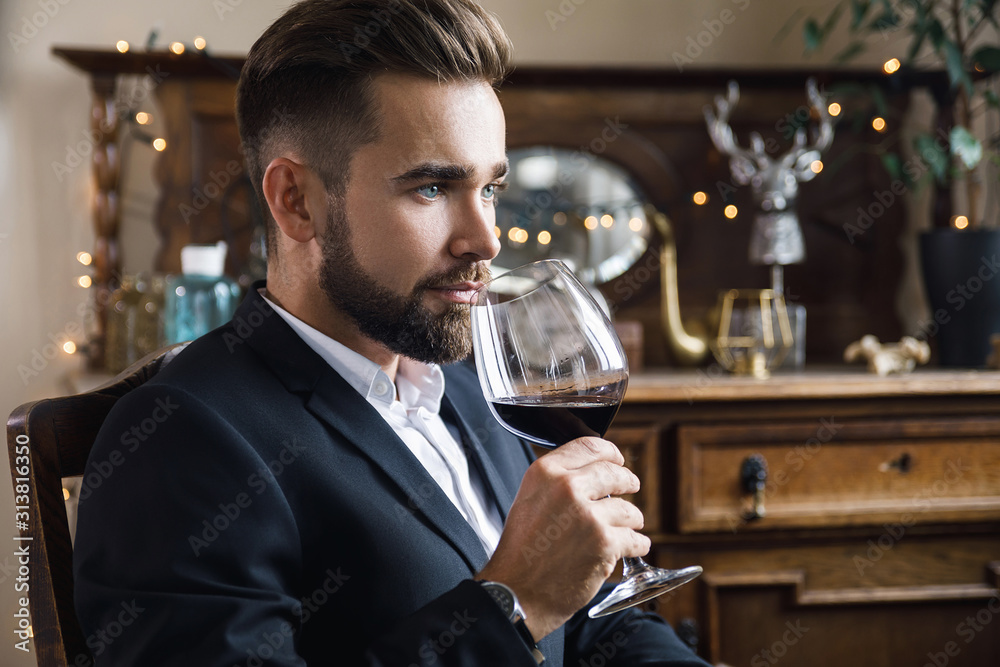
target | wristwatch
x=507, y=601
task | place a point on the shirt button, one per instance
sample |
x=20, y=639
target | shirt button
x=381, y=388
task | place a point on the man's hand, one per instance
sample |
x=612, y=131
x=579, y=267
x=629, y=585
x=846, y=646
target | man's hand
x=564, y=535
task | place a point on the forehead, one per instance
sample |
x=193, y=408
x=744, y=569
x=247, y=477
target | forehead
x=421, y=119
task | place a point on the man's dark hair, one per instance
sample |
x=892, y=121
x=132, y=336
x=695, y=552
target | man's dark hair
x=306, y=84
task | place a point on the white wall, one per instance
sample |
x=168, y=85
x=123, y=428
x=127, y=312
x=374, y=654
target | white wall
x=44, y=106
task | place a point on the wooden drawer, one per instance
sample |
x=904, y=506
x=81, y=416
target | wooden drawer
x=835, y=472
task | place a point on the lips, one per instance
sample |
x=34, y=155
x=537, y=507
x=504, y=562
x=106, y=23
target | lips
x=463, y=292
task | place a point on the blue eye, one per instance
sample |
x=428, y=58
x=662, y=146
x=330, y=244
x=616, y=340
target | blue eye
x=429, y=191
x=490, y=191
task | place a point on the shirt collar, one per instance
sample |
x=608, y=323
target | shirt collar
x=418, y=384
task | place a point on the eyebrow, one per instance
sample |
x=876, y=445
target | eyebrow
x=447, y=172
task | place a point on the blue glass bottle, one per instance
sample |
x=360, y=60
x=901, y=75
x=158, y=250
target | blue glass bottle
x=201, y=298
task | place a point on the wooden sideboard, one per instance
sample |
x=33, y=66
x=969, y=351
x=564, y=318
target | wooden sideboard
x=880, y=539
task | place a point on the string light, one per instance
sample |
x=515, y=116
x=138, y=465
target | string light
x=177, y=48
x=84, y=258
x=878, y=123
x=160, y=144
x=730, y=211
x=816, y=166
x=834, y=109
x=69, y=347
x=84, y=281
x=635, y=224
x=699, y=198
x=544, y=237
x=607, y=221
x=143, y=118
x=200, y=43
x=559, y=218
x=891, y=66
x=496, y=230
x=66, y=493
x=590, y=222
x=122, y=46
x=960, y=222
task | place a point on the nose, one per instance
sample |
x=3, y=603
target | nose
x=474, y=238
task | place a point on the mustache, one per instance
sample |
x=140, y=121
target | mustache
x=477, y=272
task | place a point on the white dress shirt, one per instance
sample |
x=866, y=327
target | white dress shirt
x=411, y=406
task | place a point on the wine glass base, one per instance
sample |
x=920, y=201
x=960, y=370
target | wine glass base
x=643, y=586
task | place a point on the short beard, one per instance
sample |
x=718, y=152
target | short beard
x=399, y=322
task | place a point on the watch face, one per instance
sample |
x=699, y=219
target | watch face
x=503, y=598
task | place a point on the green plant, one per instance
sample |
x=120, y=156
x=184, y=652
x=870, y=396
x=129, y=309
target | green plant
x=959, y=36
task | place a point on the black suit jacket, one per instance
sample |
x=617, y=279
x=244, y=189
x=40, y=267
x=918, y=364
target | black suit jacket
x=248, y=507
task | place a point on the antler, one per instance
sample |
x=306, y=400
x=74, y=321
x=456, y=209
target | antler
x=801, y=157
x=746, y=162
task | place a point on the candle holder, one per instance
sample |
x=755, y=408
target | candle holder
x=754, y=332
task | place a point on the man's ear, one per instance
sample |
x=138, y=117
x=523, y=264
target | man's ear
x=293, y=193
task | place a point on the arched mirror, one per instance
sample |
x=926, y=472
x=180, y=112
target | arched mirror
x=573, y=206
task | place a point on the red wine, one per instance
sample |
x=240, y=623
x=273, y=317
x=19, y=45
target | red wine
x=555, y=420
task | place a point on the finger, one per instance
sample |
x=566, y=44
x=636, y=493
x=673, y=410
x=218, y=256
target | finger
x=584, y=451
x=619, y=513
x=599, y=479
x=632, y=543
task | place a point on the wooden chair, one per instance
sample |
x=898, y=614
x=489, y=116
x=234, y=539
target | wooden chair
x=48, y=440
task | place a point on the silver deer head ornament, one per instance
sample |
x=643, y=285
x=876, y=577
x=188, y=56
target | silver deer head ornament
x=776, y=237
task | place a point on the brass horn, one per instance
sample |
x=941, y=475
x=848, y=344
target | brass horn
x=687, y=350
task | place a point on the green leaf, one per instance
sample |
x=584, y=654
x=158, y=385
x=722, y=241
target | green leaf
x=989, y=58
x=936, y=32
x=965, y=147
x=859, y=9
x=850, y=51
x=831, y=20
x=811, y=35
x=933, y=155
x=892, y=165
x=956, y=67
x=918, y=41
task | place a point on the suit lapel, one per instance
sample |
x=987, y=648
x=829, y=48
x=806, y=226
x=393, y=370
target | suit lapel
x=360, y=424
x=331, y=399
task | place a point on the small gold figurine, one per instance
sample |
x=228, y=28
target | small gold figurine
x=885, y=358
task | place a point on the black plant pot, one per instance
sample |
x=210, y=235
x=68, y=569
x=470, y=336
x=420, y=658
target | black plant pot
x=962, y=277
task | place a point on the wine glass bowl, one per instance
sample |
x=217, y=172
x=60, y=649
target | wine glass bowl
x=543, y=379
x=552, y=370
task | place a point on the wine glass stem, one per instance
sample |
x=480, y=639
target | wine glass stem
x=632, y=566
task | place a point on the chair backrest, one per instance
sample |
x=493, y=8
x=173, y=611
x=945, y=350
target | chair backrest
x=48, y=440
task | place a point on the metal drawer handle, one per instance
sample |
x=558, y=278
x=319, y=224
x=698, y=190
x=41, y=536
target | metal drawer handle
x=753, y=479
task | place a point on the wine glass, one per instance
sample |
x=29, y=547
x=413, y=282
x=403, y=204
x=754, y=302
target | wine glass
x=552, y=370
